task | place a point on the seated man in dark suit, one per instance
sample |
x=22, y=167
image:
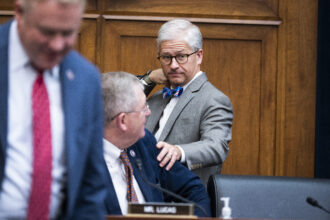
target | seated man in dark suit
x=126, y=141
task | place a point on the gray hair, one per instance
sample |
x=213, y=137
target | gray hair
x=119, y=91
x=28, y=4
x=181, y=29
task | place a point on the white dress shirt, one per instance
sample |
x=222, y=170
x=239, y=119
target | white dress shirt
x=167, y=112
x=117, y=172
x=16, y=186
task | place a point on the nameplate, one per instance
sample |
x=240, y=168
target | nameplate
x=168, y=209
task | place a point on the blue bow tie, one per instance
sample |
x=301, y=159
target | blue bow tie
x=172, y=92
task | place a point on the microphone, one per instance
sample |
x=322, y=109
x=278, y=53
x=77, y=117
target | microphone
x=313, y=202
x=138, y=163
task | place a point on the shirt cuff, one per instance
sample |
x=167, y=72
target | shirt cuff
x=183, y=155
x=144, y=82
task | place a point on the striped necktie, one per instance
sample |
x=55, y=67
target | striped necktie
x=131, y=194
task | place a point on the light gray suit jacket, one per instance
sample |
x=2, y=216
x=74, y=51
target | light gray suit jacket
x=200, y=123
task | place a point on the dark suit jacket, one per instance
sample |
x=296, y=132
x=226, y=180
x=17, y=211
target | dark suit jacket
x=178, y=180
x=83, y=114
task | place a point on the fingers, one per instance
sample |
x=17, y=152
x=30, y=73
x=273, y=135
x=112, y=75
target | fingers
x=171, y=162
x=160, y=144
x=166, y=148
x=157, y=76
x=168, y=155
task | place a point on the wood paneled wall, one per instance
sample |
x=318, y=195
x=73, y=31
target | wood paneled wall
x=261, y=53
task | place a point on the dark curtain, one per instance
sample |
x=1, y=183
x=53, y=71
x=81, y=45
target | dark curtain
x=322, y=137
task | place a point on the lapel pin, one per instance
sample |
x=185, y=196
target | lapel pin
x=70, y=74
x=132, y=153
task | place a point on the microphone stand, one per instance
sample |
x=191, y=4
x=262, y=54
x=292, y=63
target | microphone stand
x=139, y=166
x=314, y=202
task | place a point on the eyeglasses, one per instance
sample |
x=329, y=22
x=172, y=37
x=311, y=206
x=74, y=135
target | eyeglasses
x=145, y=110
x=180, y=58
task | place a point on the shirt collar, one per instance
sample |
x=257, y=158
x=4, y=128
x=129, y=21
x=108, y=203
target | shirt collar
x=18, y=56
x=111, y=150
x=196, y=75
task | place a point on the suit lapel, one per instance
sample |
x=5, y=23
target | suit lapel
x=157, y=108
x=71, y=125
x=111, y=202
x=144, y=187
x=68, y=92
x=183, y=101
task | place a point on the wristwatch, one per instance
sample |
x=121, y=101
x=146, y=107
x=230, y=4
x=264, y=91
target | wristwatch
x=146, y=78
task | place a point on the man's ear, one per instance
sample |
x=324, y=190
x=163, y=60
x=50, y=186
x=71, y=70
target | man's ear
x=200, y=56
x=121, y=122
x=19, y=10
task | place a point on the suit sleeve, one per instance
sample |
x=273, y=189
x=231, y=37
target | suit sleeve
x=185, y=183
x=147, y=88
x=91, y=197
x=179, y=180
x=215, y=133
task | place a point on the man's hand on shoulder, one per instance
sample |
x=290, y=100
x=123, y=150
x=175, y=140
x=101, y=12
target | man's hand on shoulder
x=157, y=76
x=168, y=155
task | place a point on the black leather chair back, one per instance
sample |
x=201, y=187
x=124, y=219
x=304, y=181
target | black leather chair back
x=269, y=197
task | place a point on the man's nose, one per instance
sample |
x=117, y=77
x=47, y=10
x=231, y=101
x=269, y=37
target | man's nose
x=57, y=42
x=148, y=112
x=174, y=64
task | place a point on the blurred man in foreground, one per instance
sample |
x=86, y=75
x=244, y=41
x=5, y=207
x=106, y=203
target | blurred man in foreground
x=51, y=122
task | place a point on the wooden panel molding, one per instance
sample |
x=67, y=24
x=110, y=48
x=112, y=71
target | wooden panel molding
x=243, y=67
x=234, y=9
x=129, y=46
x=297, y=55
x=6, y=5
x=92, y=6
x=6, y=16
x=196, y=20
x=87, y=41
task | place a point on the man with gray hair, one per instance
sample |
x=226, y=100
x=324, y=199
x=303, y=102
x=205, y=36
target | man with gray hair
x=191, y=119
x=130, y=152
x=51, y=122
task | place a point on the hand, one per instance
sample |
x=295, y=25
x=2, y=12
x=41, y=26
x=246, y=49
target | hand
x=157, y=76
x=168, y=155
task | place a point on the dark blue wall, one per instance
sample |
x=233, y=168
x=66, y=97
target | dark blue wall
x=322, y=137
